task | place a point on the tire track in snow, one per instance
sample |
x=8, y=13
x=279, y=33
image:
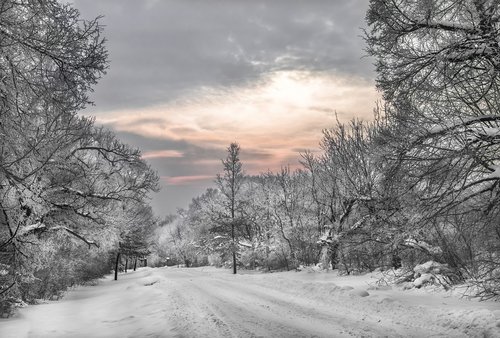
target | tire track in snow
x=191, y=303
x=253, y=311
x=383, y=315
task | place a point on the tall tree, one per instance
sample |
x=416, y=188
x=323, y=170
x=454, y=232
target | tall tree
x=438, y=66
x=343, y=182
x=60, y=175
x=229, y=184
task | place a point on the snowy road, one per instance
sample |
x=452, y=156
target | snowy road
x=208, y=302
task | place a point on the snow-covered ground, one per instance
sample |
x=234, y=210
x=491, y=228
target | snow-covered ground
x=209, y=302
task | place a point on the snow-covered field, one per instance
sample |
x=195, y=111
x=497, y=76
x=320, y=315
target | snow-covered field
x=209, y=302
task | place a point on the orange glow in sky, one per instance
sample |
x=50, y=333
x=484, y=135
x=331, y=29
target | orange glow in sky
x=277, y=116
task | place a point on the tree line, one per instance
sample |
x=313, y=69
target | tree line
x=419, y=182
x=70, y=191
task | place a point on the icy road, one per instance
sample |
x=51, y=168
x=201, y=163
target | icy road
x=209, y=302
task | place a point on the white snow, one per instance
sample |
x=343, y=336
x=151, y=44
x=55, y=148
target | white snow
x=210, y=302
x=491, y=131
x=423, y=245
x=245, y=243
x=423, y=279
x=446, y=23
x=496, y=171
x=431, y=273
x=449, y=125
x=30, y=228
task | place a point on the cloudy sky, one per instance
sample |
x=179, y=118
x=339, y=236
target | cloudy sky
x=188, y=77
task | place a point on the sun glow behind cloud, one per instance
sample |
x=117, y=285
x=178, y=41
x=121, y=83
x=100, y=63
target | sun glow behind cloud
x=162, y=154
x=275, y=116
x=185, y=180
x=186, y=80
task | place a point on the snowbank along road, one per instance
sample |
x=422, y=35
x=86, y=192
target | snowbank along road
x=209, y=302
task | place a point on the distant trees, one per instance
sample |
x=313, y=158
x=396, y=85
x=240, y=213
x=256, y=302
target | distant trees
x=420, y=182
x=61, y=177
x=290, y=213
x=187, y=238
x=136, y=235
x=344, y=188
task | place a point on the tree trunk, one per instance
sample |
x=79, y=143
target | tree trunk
x=234, y=247
x=145, y=262
x=329, y=255
x=286, y=259
x=334, y=254
x=126, y=264
x=116, y=265
x=268, y=251
x=135, y=263
x=396, y=260
x=325, y=257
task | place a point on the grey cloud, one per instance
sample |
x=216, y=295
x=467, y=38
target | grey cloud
x=145, y=121
x=327, y=110
x=196, y=160
x=162, y=50
x=176, y=166
x=149, y=144
x=303, y=150
x=182, y=130
x=255, y=155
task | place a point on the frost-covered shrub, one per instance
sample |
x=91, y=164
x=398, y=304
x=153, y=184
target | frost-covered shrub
x=60, y=263
x=412, y=257
x=249, y=258
x=432, y=273
x=428, y=273
x=199, y=260
x=358, y=255
x=214, y=260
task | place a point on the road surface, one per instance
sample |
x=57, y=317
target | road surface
x=209, y=302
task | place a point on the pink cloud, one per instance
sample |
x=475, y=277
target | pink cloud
x=186, y=180
x=285, y=111
x=162, y=154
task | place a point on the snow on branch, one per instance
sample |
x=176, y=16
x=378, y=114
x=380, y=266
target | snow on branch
x=359, y=223
x=496, y=171
x=77, y=235
x=422, y=246
x=30, y=228
x=245, y=244
x=328, y=238
x=469, y=53
x=86, y=194
x=439, y=130
x=445, y=25
x=41, y=226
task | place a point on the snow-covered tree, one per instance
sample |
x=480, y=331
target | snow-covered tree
x=60, y=176
x=344, y=180
x=229, y=184
x=437, y=64
x=291, y=214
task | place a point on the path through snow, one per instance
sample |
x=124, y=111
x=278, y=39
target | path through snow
x=209, y=302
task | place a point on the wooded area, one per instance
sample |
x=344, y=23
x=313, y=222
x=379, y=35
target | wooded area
x=70, y=191
x=418, y=183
